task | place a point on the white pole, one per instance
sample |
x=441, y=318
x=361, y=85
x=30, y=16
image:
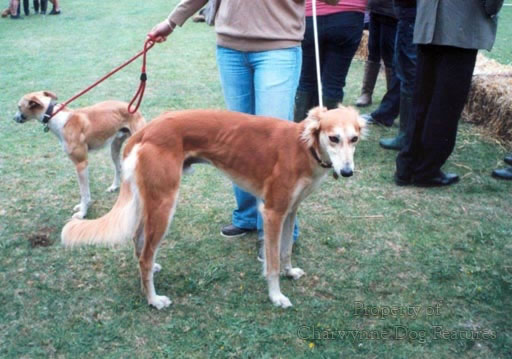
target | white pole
x=317, y=56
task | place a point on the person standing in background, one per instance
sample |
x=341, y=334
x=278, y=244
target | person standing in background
x=448, y=34
x=340, y=28
x=381, y=45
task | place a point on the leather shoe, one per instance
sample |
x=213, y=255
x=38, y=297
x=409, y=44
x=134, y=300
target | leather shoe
x=504, y=173
x=443, y=179
x=402, y=181
x=233, y=231
x=508, y=159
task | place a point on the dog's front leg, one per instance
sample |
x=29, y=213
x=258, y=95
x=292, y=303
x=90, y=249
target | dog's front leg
x=273, y=227
x=286, y=247
x=85, y=194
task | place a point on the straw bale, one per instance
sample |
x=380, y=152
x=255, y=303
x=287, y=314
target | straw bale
x=362, y=50
x=490, y=99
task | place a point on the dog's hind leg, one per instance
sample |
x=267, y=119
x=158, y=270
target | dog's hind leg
x=138, y=241
x=158, y=185
x=286, y=247
x=273, y=228
x=115, y=153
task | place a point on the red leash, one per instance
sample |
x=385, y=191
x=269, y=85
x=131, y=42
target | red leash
x=143, y=77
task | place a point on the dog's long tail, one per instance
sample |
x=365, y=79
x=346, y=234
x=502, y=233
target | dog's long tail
x=117, y=226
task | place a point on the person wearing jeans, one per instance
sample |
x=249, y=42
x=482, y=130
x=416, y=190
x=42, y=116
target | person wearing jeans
x=259, y=61
x=404, y=63
x=260, y=83
x=340, y=28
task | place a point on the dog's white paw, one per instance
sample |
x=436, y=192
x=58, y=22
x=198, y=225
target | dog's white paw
x=295, y=273
x=159, y=301
x=79, y=215
x=279, y=300
x=157, y=268
x=112, y=188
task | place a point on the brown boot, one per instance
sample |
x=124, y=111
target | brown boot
x=371, y=71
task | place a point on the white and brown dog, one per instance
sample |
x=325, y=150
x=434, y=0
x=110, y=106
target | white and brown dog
x=81, y=130
x=281, y=162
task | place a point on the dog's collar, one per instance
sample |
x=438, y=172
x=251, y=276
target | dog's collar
x=322, y=163
x=317, y=158
x=48, y=116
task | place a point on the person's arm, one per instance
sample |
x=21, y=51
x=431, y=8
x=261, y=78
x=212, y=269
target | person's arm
x=492, y=7
x=178, y=16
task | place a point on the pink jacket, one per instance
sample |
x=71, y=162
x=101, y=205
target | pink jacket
x=344, y=5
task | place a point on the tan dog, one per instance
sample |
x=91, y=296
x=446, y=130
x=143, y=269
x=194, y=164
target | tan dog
x=281, y=162
x=81, y=130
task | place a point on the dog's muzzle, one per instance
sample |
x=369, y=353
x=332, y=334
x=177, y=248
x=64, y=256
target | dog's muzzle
x=20, y=118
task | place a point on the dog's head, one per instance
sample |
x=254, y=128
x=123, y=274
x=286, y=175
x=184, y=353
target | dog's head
x=33, y=106
x=334, y=135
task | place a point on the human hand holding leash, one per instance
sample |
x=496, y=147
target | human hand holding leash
x=160, y=31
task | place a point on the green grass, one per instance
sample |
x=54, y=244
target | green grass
x=363, y=240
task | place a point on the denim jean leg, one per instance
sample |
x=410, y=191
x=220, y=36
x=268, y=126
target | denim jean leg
x=389, y=107
x=236, y=76
x=275, y=82
x=406, y=52
x=343, y=33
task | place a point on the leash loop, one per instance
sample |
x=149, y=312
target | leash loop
x=147, y=46
x=143, y=78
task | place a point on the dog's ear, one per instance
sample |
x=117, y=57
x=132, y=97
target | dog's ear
x=312, y=125
x=34, y=102
x=50, y=94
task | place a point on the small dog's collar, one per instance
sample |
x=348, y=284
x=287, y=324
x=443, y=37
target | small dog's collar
x=48, y=115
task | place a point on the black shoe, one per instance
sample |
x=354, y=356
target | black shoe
x=15, y=17
x=54, y=12
x=504, y=173
x=261, y=249
x=508, y=159
x=443, y=179
x=402, y=181
x=43, y=12
x=233, y=231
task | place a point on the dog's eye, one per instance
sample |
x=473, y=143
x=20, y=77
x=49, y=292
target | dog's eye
x=334, y=139
x=354, y=139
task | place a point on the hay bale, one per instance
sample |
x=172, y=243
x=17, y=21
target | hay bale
x=362, y=50
x=490, y=99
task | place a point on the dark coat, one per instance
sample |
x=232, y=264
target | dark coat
x=382, y=7
x=468, y=24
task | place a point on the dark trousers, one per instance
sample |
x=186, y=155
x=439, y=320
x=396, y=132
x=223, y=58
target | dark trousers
x=381, y=39
x=339, y=35
x=404, y=71
x=442, y=85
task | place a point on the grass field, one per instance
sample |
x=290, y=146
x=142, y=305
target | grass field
x=391, y=272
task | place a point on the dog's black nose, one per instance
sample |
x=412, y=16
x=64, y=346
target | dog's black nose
x=346, y=173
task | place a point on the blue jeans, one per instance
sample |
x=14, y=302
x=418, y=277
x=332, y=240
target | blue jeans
x=259, y=83
x=404, y=63
x=339, y=35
